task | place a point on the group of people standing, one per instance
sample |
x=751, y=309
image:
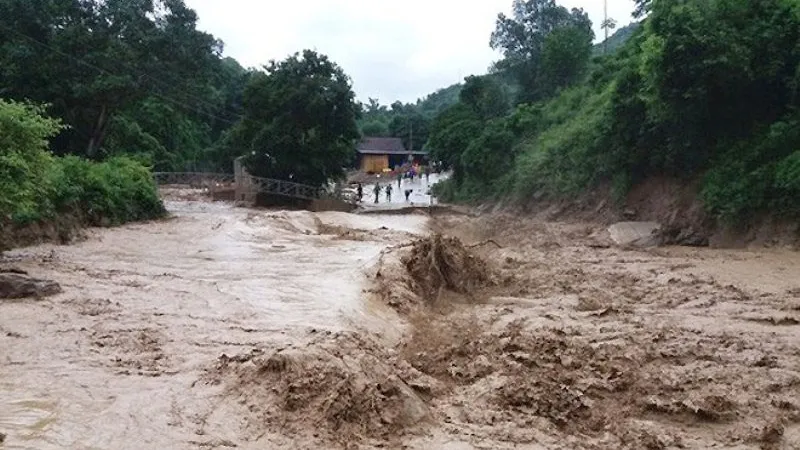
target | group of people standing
x=378, y=189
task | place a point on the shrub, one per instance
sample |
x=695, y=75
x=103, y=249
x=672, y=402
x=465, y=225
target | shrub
x=36, y=186
x=25, y=163
x=116, y=191
x=564, y=158
x=758, y=175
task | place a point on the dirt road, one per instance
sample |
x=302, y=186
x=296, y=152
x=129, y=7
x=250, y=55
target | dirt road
x=226, y=327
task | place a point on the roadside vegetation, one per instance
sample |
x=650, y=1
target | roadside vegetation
x=701, y=90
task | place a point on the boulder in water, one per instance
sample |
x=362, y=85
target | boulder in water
x=15, y=285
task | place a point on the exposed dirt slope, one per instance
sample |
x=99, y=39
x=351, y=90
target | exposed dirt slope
x=673, y=203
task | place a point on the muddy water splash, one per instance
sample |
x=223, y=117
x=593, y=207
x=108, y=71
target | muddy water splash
x=113, y=362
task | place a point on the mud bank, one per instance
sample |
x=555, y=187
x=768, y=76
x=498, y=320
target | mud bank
x=674, y=204
x=66, y=228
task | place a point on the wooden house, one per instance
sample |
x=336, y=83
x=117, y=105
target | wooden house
x=375, y=154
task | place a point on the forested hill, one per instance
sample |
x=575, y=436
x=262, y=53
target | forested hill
x=413, y=120
x=705, y=92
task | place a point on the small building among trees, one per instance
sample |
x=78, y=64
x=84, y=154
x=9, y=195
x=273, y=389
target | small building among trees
x=378, y=153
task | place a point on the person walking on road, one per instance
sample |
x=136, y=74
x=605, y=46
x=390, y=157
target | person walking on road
x=360, y=192
x=377, y=191
x=408, y=193
x=399, y=178
x=389, y=193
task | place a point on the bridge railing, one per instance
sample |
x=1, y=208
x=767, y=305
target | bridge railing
x=194, y=179
x=245, y=181
x=286, y=188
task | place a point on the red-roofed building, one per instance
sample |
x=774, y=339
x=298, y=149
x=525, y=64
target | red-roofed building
x=378, y=153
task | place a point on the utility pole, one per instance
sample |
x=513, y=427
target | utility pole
x=605, y=25
x=410, y=135
x=608, y=24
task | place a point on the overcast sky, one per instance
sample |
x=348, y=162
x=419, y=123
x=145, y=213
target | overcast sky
x=393, y=50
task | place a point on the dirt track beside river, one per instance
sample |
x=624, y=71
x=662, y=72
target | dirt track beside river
x=225, y=327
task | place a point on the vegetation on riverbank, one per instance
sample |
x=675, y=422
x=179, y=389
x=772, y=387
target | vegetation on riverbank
x=38, y=187
x=704, y=90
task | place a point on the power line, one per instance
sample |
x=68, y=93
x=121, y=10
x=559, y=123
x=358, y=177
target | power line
x=107, y=72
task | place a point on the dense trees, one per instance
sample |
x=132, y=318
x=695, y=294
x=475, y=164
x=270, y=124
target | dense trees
x=703, y=89
x=411, y=122
x=138, y=78
x=700, y=89
x=104, y=66
x=299, y=120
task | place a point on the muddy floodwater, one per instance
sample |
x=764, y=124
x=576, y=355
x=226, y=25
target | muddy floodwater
x=111, y=362
x=225, y=327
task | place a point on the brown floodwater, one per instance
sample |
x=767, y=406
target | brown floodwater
x=114, y=361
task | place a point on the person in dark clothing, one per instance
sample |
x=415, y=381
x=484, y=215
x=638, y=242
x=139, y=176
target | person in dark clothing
x=408, y=193
x=360, y=191
x=377, y=190
x=389, y=193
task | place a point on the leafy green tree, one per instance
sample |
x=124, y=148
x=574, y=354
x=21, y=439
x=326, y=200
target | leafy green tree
x=375, y=128
x=451, y=133
x=714, y=70
x=486, y=96
x=565, y=56
x=532, y=56
x=93, y=60
x=412, y=128
x=490, y=155
x=299, y=120
x=466, y=136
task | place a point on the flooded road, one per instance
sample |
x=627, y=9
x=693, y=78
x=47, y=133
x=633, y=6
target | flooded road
x=419, y=192
x=113, y=361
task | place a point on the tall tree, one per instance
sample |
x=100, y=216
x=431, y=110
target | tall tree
x=526, y=37
x=299, y=120
x=94, y=59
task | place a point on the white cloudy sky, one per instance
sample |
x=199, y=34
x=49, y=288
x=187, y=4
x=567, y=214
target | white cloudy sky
x=393, y=50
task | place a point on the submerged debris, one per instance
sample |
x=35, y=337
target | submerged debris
x=438, y=263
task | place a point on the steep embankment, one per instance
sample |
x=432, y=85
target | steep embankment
x=693, y=122
x=675, y=205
